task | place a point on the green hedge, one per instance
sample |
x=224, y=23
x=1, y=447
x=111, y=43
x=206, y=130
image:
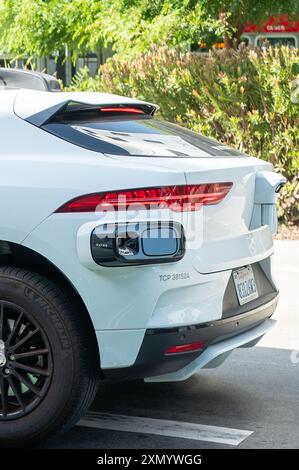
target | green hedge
x=242, y=98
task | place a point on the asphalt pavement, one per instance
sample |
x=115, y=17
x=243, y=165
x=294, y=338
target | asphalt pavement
x=251, y=401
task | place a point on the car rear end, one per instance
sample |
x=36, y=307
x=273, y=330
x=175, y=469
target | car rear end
x=166, y=235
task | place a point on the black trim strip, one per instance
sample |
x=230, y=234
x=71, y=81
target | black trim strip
x=152, y=361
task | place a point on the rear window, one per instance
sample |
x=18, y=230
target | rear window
x=133, y=134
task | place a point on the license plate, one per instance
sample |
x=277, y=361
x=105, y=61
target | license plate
x=245, y=285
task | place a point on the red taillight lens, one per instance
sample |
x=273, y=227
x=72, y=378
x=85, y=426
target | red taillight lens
x=176, y=198
x=182, y=348
x=122, y=110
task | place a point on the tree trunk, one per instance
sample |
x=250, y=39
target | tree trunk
x=60, y=66
x=228, y=42
x=231, y=40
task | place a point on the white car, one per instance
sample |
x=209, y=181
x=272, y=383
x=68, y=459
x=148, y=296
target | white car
x=129, y=248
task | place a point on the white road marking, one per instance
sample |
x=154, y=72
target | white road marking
x=162, y=427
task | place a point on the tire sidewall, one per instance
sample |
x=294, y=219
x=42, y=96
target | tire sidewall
x=65, y=372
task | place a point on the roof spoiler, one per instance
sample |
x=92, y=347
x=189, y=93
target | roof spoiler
x=39, y=108
x=71, y=107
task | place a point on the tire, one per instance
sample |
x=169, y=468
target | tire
x=61, y=349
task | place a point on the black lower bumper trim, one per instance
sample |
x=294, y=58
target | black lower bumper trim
x=152, y=361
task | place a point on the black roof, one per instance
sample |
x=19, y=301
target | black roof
x=19, y=78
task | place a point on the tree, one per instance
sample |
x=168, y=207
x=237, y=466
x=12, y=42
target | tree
x=135, y=25
x=40, y=27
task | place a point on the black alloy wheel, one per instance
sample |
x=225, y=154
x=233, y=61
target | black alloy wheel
x=25, y=362
x=49, y=358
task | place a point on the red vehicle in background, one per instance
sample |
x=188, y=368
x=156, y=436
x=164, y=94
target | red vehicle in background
x=274, y=32
x=277, y=31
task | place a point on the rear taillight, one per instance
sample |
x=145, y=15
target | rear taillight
x=177, y=198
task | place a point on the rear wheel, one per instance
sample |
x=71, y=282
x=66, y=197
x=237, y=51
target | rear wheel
x=49, y=365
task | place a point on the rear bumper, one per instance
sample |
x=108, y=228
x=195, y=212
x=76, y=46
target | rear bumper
x=219, y=337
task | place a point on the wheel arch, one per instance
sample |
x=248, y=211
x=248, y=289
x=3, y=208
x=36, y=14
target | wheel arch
x=14, y=254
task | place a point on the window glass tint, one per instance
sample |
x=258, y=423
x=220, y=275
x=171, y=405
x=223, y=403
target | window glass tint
x=14, y=80
x=276, y=41
x=137, y=136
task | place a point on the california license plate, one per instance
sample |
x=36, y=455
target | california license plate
x=245, y=285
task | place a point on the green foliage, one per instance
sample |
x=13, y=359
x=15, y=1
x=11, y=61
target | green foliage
x=133, y=26
x=39, y=27
x=242, y=98
x=136, y=25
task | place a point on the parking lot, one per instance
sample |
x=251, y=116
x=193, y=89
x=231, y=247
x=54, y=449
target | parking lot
x=251, y=401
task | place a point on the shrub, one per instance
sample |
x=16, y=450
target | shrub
x=242, y=98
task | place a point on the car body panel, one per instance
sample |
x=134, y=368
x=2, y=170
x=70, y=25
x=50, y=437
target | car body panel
x=40, y=172
x=31, y=177
x=124, y=302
